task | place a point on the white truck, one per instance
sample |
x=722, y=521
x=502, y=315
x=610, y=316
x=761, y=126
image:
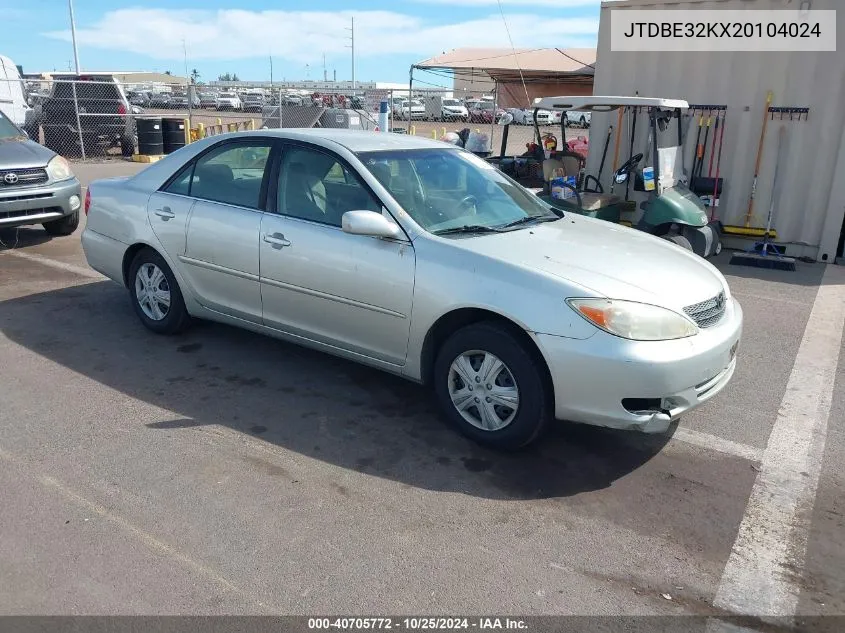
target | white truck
x=438, y=108
x=12, y=98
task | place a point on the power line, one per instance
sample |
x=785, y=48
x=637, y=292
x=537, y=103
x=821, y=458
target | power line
x=575, y=60
x=515, y=56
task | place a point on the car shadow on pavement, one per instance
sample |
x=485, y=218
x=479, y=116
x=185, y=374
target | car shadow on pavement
x=23, y=236
x=304, y=401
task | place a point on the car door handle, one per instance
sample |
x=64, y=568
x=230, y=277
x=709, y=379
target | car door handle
x=276, y=239
x=165, y=213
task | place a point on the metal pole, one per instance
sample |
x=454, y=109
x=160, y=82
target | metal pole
x=188, y=84
x=78, y=123
x=410, y=95
x=353, y=53
x=73, y=38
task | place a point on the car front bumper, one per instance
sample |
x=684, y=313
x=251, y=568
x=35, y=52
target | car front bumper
x=20, y=206
x=640, y=385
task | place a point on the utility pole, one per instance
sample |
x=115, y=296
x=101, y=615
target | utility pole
x=325, y=72
x=73, y=35
x=271, y=70
x=352, y=46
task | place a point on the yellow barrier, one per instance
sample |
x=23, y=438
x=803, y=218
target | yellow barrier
x=201, y=131
x=413, y=130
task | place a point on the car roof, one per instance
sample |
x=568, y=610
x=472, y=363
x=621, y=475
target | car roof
x=353, y=140
x=604, y=103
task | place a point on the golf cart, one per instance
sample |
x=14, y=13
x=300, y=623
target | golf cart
x=669, y=209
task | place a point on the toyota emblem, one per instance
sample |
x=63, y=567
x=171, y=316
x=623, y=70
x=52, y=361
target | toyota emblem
x=10, y=178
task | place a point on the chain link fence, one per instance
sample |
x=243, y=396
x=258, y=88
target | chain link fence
x=98, y=117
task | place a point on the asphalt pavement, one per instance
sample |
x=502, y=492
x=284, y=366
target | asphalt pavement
x=222, y=472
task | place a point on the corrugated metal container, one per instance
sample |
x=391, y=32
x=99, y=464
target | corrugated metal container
x=811, y=204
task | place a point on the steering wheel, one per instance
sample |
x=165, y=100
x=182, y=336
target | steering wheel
x=465, y=201
x=629, y=165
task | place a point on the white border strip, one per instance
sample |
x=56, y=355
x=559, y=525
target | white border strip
x=46, y=261
x=762, y=574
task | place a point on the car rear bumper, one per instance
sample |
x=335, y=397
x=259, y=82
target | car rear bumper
x=21, y=206
x=640, y=385
x=104, y=254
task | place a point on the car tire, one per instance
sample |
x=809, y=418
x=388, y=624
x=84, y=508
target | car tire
x=63, y=226
x=520, y=375
x=127, y=146
x=175, y=318
x=680, y=240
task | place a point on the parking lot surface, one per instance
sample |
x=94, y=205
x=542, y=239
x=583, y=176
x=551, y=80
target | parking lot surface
x=225, y=472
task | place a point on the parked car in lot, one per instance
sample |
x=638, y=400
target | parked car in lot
x=425, y=262
x=180, y=100
x=229, y=101
x=36, y=185
x=396, y=105
x=252, y=102
x=412, y=110
x=522, y=116
x=104, y=119
x=208, y=100
x=485, y=112
x=159, y=100
x=453, y=110
x=575, y=118
x=141, y=99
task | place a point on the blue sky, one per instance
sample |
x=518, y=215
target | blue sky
x=240, y=35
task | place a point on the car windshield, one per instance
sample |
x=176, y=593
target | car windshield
x=9, y=130
x=451, y=102
x=485, y=105
x=443, y=189
x=227, y=95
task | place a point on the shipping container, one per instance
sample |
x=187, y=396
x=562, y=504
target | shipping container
x=810, y=203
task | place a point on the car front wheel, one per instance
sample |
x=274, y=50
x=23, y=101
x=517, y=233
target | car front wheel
x=63, y=226
x=490, y=387
x=155, y=293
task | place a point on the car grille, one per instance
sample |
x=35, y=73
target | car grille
x=707, y=313
x=25, y=213
x=22, y=177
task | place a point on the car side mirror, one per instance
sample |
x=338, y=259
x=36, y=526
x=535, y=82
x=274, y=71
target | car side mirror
x=621, y=177
x=506, y=119
x=369, y=223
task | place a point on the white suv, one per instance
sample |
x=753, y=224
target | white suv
x=229, y=101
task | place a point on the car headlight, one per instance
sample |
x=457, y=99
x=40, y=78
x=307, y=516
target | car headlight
x=59, y=169
x=632, y=320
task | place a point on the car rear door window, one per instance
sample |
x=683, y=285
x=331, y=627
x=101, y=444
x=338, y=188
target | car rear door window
x=317, y=186
x=232, y=173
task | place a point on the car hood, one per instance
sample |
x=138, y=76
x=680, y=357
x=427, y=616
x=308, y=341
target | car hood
x=20, y=154
x=607, y=259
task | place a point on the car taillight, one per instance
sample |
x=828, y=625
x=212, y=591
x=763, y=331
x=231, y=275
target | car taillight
x=87, y=200
x=121, y=109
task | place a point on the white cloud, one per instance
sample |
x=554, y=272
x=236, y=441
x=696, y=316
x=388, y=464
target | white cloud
x=304, y=36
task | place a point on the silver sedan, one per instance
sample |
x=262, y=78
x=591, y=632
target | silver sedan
x=423, y=260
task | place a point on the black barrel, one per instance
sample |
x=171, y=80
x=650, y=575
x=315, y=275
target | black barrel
x=150, y=140
x=174, y=134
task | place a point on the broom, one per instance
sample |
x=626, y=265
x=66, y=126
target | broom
x=748, y=229
x=767, y=254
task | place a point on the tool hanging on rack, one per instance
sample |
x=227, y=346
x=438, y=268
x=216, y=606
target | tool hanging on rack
x=795, y=114
x=616, y=148
x=747, y=229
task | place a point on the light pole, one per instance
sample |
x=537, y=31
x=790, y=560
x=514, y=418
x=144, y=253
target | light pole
x=352, y=46
x=73, y=35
